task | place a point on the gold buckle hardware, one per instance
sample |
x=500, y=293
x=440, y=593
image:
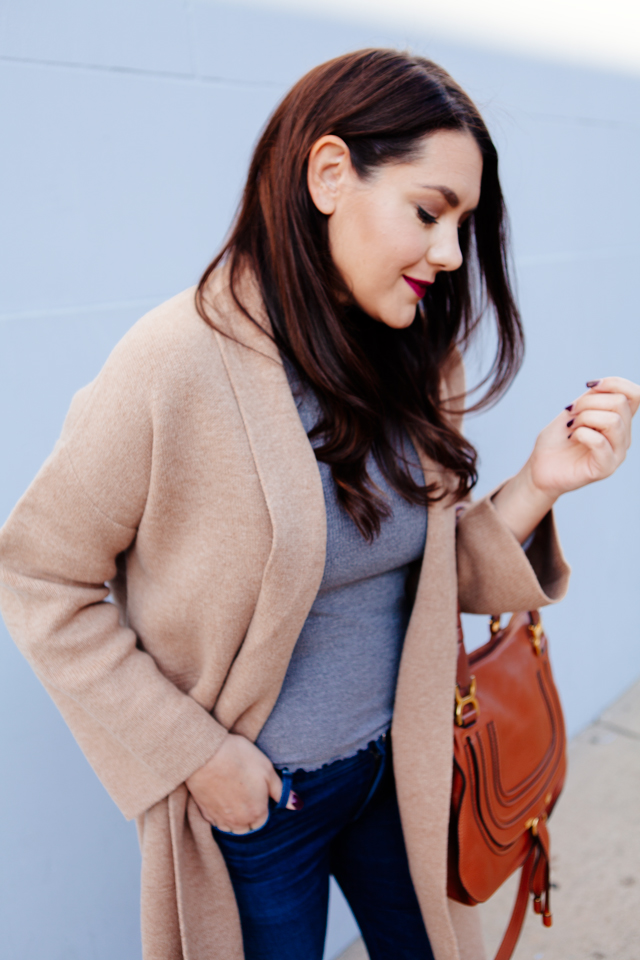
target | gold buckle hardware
x=462, y=702
x=536, y=631
x=494, y=625
x=534, y=823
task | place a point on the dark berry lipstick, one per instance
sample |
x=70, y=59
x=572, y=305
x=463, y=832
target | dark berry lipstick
x=419, y=287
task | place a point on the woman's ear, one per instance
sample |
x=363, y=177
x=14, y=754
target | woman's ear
x=327, y=170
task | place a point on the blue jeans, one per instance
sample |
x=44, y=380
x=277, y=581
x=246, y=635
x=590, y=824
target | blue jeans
x=349, y=827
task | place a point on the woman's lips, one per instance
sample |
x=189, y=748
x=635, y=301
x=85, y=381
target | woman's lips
x=419, y=287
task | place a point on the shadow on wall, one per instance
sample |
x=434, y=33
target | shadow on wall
x=130, y=126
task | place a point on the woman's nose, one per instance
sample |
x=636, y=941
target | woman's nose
x=445, y=253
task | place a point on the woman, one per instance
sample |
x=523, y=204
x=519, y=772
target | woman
x=253, y=473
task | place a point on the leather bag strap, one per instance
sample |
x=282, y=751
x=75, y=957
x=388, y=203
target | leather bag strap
x=466, y=703
x=534, y=879
x=514, y=929
x=463, y=671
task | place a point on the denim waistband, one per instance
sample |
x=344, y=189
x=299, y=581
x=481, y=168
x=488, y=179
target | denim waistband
x=379, y=749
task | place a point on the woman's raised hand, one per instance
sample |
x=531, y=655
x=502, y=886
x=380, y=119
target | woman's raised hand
x=586, y=442
x=232, y=789
x=589, y=440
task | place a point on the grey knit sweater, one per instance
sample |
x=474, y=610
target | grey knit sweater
x=339, y=689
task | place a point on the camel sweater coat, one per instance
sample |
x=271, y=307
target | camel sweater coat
x=184, y=480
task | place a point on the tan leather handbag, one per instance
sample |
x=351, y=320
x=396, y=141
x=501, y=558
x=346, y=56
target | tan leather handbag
x=509, y=768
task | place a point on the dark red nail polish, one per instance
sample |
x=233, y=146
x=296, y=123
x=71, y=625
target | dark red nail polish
x=569, y=423
x=569, y=436
x=592, y=383
x=295, y=801
x=570, y=407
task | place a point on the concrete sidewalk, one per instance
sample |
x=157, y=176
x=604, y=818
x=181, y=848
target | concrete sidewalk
x=595, y=842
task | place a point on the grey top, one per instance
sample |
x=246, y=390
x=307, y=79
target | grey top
x=339, y=689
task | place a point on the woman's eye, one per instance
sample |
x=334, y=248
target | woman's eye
x=425, y=217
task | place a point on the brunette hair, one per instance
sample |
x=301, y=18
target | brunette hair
x=372, y=381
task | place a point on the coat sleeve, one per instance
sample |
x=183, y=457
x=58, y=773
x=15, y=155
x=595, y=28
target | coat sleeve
x=495, y=574
x=58, y=552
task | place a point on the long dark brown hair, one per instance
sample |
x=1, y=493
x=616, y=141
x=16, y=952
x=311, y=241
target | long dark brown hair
x=372, y=382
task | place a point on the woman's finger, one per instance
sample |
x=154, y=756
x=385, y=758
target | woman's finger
x=275, y=791
x=240, y=824
x=607, y=422
x=294, y=802
x=615, y=402
x=256, y=824
x=603, y=460
x=628, y=388
x=275, y=785
x=593, y=439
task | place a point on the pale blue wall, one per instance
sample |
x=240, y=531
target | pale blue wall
x=126, y=129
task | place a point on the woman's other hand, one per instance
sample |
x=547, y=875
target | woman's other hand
x=232, y=789
x=589, y=440
x=586, y=442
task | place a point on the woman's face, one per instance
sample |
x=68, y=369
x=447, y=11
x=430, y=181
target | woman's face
x=392, y=233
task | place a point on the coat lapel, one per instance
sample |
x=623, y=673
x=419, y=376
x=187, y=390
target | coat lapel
x=422, y=722
x=292, y=487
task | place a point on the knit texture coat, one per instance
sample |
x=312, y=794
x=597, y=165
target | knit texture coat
x=184, y=483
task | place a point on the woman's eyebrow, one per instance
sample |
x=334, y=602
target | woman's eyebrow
x=452, y=198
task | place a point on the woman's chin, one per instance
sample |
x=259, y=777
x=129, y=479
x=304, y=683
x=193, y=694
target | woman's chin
x=399, y=319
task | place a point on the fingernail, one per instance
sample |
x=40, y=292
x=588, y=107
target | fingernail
x=592, y=383
x=569, y=423
x=295, y=802
x=570, y=407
